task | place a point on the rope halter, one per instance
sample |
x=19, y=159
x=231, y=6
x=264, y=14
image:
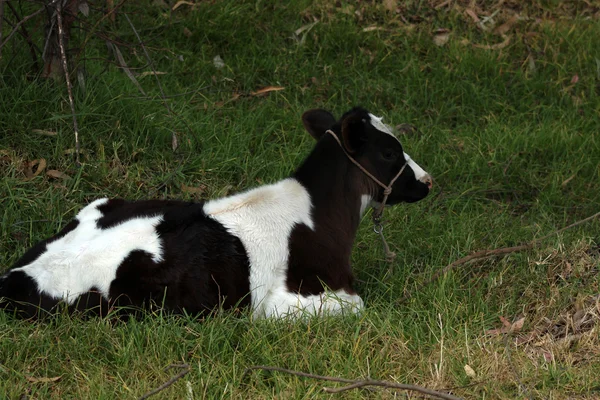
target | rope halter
x=387, y=190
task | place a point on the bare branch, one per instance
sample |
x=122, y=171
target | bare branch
x=175, y=378
x=355, y=383
x=25, y=34
x=1, y=21
x=21, y=22
x=478, y=255
x=63, y=56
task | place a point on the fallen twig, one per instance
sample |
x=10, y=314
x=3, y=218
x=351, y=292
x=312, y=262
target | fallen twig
x=355, y=383
x=175, y=378
x=63, y=56
x=478, y=255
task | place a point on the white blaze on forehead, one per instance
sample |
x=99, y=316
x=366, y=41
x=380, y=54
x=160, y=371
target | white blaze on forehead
x=378, y=124
x=419, y=172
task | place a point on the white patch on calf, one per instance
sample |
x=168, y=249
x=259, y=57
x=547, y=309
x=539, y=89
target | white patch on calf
x=263, y=220
x=285, y=304
x=420, y=174
x=88, y=257
x=378, y=124
x=365, y=201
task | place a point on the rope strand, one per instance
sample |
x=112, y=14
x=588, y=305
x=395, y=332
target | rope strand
x=387, y=190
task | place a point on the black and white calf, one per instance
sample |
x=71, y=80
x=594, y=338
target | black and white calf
x=281, y=249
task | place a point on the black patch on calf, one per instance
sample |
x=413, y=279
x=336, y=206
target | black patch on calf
x=313, y=267
x=19, y=295
x=203, y=266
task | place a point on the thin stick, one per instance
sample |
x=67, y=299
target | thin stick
x=21, y=22
x=355, y=383
x=63, y=56
x=175, y=378
x=498, y=252
x=25, y=35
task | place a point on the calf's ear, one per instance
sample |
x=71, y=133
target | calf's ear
x=317, y=122
x=354, y=134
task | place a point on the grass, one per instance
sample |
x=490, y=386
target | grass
x=510, y=136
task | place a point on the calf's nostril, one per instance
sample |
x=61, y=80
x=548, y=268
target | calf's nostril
x=428, y=181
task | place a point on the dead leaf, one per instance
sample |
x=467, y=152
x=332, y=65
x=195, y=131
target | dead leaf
x=146, y=73
x=53, y=173
x=531, y=64
x=390, y=5
x=470, y=371
x=266, y=90
x=407, y=129
x=30, y=173
x=186, y=32
x=193, y=189
x=84, y=8
x=496, y=46
x=218, y=62
x=574, y=79
x=517, y=325
x=472, y=14
x=507, y=26
x=300, y=34
x=181, y=3
x=174, y=141
x=373, y=28
x=507, y=327
x=44, y=132
x=547, y=356
x=73, y=151
x=441, y=37
x=43, y=379
x=123, y=65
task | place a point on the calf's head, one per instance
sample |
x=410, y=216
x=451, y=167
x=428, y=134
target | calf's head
x=371, y=143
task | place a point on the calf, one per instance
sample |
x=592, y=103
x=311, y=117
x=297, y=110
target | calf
x=282, y=248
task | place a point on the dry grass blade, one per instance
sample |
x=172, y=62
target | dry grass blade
x=53, y=173
x=147, y=73
x=181, y=3
x=355, y=383
x=44, y=132
x=497, y=46
x=43, y=379
x=266, y=90
x=123, y=65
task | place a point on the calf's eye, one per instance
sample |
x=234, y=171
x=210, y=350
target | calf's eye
x=389, y=155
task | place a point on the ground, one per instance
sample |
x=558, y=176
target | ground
x=504, y=112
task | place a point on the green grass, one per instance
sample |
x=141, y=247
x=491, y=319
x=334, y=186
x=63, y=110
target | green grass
x=514, y=150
